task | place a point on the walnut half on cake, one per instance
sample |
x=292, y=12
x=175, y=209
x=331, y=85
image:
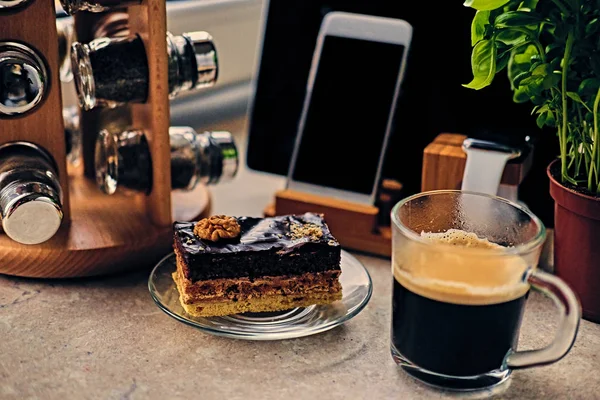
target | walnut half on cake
x=228, y=265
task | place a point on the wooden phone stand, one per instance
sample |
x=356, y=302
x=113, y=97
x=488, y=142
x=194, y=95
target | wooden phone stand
x=356, y=226
x=367, y=228
x=99, y=233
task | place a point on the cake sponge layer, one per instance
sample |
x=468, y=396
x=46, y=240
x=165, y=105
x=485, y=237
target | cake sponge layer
x=267, y=303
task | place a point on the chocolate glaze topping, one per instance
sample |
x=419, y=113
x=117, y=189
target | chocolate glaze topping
x=265, y=247
x=256, y=234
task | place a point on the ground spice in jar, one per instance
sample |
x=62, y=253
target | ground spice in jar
x=135, y=165
x=120, y=69
x=123, y=159
x=114, y=70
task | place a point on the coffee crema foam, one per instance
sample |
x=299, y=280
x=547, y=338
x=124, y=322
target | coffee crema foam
x=478, y=278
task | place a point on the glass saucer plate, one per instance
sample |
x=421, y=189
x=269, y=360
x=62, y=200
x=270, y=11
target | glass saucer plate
x=356, y=293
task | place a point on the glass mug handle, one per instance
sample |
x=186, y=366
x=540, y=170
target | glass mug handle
x=570, y=309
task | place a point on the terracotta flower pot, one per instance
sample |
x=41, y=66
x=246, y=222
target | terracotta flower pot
x=577, y=243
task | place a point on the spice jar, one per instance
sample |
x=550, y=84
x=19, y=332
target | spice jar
x=73, y=135
x=110, y=71
x=23, y=79
x=123, y=160
x=193, y=61
x=30, y=193
x=113, y=71
x=208, y=158
x=65, y=27
x=72, y=6
x=12, y=4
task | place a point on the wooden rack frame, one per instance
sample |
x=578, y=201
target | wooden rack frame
x=100, y=233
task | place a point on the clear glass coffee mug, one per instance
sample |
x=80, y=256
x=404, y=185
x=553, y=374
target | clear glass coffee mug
x=463, y=265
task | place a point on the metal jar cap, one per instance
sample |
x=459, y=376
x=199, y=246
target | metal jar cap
x=7, y=4
x=227, y=154
x=85, y=85
x=32, y=212
x=23, y=79
x=205, y=54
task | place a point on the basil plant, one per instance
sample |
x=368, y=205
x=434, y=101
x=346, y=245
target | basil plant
x=550, y=50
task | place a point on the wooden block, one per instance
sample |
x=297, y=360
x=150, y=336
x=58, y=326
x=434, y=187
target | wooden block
x=340, y=215
x=451, y=139
x=443, y=167
x=389, y=194
x=354, y=225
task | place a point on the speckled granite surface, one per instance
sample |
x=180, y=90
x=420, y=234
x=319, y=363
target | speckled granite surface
x=105, y=339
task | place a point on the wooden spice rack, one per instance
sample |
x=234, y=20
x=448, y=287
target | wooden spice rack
x=99, y=234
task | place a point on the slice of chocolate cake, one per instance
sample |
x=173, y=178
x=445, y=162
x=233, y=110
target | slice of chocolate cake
x=228, y=265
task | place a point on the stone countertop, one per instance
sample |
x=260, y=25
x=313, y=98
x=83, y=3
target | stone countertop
x=104, y=338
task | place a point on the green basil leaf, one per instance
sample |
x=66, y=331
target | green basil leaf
x=542, y=70
x=517, y=18
x=520, y=96
x=575, y=96
x=520, y=61
x=589, y=87
x=533, y=85
x=483, y=5
x=480, y=20
x=540, y=109
x=511, y=36
x=516, y=81
x=483, y=64
x=550, y=119
x=528, y=5
x=551, y=80
x=502, y=61
x=529, y=80
x=541, y=120
x=526, y=54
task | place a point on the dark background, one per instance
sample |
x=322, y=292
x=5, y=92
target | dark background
x=432, y=99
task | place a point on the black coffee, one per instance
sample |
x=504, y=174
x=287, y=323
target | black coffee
x=453, y=339
x=457, y=312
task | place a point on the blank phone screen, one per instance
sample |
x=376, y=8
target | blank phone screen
x=348, y=114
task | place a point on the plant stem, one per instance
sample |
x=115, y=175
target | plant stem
x=580, y=145
x=595, y=157
x=563, y=131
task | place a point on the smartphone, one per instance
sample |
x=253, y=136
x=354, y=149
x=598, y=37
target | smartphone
x=349, y=106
